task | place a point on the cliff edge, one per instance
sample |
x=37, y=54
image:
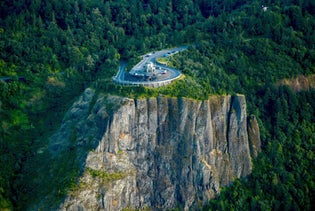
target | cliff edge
x=156, y=153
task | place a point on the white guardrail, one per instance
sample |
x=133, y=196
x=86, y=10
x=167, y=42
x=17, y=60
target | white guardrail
x=153, y=84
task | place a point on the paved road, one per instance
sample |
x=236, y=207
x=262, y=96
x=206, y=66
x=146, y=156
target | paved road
x=121, y=72
x=151, y=57
x=169, y=73
x=8, y=79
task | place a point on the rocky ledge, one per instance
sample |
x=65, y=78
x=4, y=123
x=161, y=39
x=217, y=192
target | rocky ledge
x=156, y=153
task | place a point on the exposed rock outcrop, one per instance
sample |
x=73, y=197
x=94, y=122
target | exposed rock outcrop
x=253, y=136
x=157, y=152
x=300, y=83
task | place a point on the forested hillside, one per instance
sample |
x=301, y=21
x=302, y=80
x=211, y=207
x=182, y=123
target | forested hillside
x=51, y=50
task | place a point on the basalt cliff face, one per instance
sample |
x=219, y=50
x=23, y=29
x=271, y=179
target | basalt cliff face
x=156, y=153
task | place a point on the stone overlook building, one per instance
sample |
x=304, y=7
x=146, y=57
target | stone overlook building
x=150, y=68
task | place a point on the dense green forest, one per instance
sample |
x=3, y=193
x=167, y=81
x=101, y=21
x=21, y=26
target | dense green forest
x=52, y=50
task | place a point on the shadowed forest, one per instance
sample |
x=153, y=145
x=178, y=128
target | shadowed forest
x=53, y=50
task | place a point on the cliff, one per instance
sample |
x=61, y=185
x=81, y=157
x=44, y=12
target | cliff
x=157, y=153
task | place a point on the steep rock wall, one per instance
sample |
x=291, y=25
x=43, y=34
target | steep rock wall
x=158, y=152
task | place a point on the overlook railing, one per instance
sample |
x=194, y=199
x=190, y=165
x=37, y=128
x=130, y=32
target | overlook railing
x=153, y=84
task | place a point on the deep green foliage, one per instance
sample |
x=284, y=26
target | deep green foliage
x=61, y=47
x=106, y=177
x=283, y=174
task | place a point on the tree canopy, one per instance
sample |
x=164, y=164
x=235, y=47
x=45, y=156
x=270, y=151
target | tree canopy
x=59, y=48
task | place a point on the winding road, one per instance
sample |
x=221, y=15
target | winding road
x=165, y=73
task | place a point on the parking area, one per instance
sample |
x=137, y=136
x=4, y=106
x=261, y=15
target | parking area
x=148, y=72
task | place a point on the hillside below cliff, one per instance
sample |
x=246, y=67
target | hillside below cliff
x=156, y=153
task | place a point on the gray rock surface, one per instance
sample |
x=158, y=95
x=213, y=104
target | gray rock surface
x=253, y=136
x=156, y=153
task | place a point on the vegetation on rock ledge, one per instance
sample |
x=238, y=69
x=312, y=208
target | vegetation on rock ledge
x=61, y=47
